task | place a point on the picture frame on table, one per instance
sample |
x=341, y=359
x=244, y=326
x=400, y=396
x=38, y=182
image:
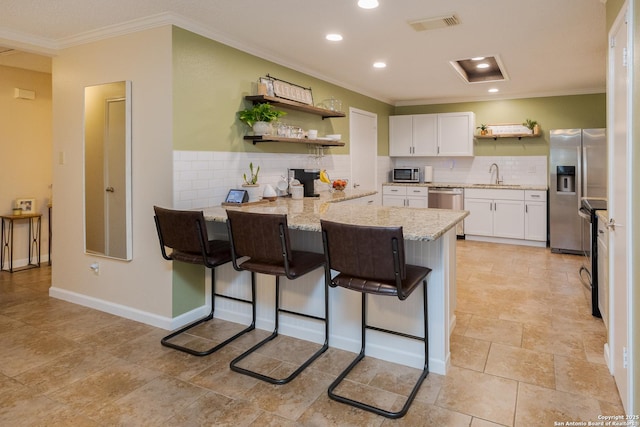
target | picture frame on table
x=28, y=205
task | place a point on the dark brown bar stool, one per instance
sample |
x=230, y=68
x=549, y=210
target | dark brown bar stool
x=264, y=239
x=185, y=232
x=370, y=260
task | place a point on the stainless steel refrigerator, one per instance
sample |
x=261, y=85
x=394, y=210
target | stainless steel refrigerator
x=577, y=169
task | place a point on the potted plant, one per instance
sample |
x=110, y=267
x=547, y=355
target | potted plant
x=251, y=182
x=483, y=129
x=531, y=125
x=259, y=116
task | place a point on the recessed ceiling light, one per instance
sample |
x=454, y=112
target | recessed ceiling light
x=482, y=65
x=368, y=4
x=334, y=37
x=379, y=64
x=477, y=58
x=493, y=90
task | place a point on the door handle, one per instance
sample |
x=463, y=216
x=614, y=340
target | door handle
x=356, y=185
x=611, y=225
x=109, y=189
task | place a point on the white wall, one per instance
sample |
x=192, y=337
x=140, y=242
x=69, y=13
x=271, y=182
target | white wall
x=141, y=288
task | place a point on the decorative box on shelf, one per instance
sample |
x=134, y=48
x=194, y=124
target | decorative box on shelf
x=510, y=130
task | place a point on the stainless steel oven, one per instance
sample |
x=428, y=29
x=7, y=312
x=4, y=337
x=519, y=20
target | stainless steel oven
x=589, y=269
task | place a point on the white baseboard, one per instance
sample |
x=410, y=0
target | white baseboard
x=503, y=240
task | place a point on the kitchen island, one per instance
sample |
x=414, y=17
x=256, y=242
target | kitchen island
x=430, y=241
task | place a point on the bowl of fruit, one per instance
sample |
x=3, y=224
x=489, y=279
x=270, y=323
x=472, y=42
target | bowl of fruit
x=339, y=184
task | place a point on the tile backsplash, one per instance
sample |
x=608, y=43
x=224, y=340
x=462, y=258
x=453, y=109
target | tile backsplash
x=203, y=178
x=530, y=170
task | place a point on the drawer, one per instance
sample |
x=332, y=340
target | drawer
x=394, y=190
x=418, y=191
x=535, y=195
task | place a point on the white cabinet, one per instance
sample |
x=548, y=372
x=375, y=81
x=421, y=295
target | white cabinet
x=455, y=134
x=447, y=134
x=405, y=195
x=535, y=215
x=413, y=135
x=494, y=213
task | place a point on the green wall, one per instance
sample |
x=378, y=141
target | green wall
x=209, y=84
x=556, y=112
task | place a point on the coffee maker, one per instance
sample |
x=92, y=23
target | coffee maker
x=306, y=178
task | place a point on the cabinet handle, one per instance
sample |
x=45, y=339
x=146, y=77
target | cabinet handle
x=535, y=196
x=526, y=208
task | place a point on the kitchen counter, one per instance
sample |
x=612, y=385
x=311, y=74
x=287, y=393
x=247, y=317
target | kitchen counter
x=461, y=185
x=430, y=240
x=305, y=214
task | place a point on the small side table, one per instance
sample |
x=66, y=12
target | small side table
x=35, y=222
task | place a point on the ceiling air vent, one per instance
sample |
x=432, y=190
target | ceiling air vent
x=434, y=23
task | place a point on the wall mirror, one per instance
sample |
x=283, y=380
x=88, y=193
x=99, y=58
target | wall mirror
x=107, y=170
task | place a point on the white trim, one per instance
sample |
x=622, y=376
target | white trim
x=521, y=242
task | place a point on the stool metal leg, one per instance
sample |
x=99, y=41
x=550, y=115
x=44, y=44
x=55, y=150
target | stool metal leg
x=165, y=341
x=234, y=363
x=361, y=355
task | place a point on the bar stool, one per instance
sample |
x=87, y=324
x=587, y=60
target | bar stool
x=264, y=240
x=371, y=260
x=185, y=232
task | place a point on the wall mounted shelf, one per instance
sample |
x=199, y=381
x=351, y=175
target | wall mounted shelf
x=293, y=105
x=273, y=138
x=510, y=131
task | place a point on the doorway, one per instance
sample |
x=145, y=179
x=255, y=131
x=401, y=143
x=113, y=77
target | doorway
x=363, y=134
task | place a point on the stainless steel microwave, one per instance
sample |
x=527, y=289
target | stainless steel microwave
x=405, y=175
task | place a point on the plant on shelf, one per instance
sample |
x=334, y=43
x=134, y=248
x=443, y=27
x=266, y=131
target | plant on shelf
x=531, y=125
x=253, y=176
x=483, y=129
x=259, y=116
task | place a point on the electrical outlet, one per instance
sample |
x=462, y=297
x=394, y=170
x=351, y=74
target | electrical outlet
x=95, y=267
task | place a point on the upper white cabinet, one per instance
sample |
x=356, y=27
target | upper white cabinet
x=455, y=134
x=448, y=134
x=413, y=135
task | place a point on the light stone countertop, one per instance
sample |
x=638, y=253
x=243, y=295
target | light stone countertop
x=602, y=216
x=482, y=186
x=421, y=224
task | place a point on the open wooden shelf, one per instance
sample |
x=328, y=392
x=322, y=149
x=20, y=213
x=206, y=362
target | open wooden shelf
x=273, y=138
x=293, y=105
x=536, y=133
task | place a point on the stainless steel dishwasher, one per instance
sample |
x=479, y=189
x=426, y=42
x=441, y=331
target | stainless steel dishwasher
x=448, y=198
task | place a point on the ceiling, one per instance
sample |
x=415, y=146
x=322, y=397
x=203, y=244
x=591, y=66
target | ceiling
x=546, y=47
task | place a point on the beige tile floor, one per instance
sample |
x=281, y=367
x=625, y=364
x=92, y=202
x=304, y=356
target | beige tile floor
x=525, y=352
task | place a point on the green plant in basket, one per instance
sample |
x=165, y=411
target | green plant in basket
x=260, y=113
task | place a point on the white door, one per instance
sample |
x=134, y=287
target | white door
x=480, y=219
x=115, y=178
x=535, y=221
x=400, y=136
x=508, y=219
x=618, y=206
x=363, y=145
x=425, y=135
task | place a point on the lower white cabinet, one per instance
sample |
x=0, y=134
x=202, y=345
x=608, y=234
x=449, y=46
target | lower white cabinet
x=511, y=214
x=405, y=195
x=535, y=215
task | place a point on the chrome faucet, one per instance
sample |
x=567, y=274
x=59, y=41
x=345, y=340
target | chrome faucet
x=498, y=180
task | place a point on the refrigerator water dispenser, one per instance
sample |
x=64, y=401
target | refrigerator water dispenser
x=566, y=176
